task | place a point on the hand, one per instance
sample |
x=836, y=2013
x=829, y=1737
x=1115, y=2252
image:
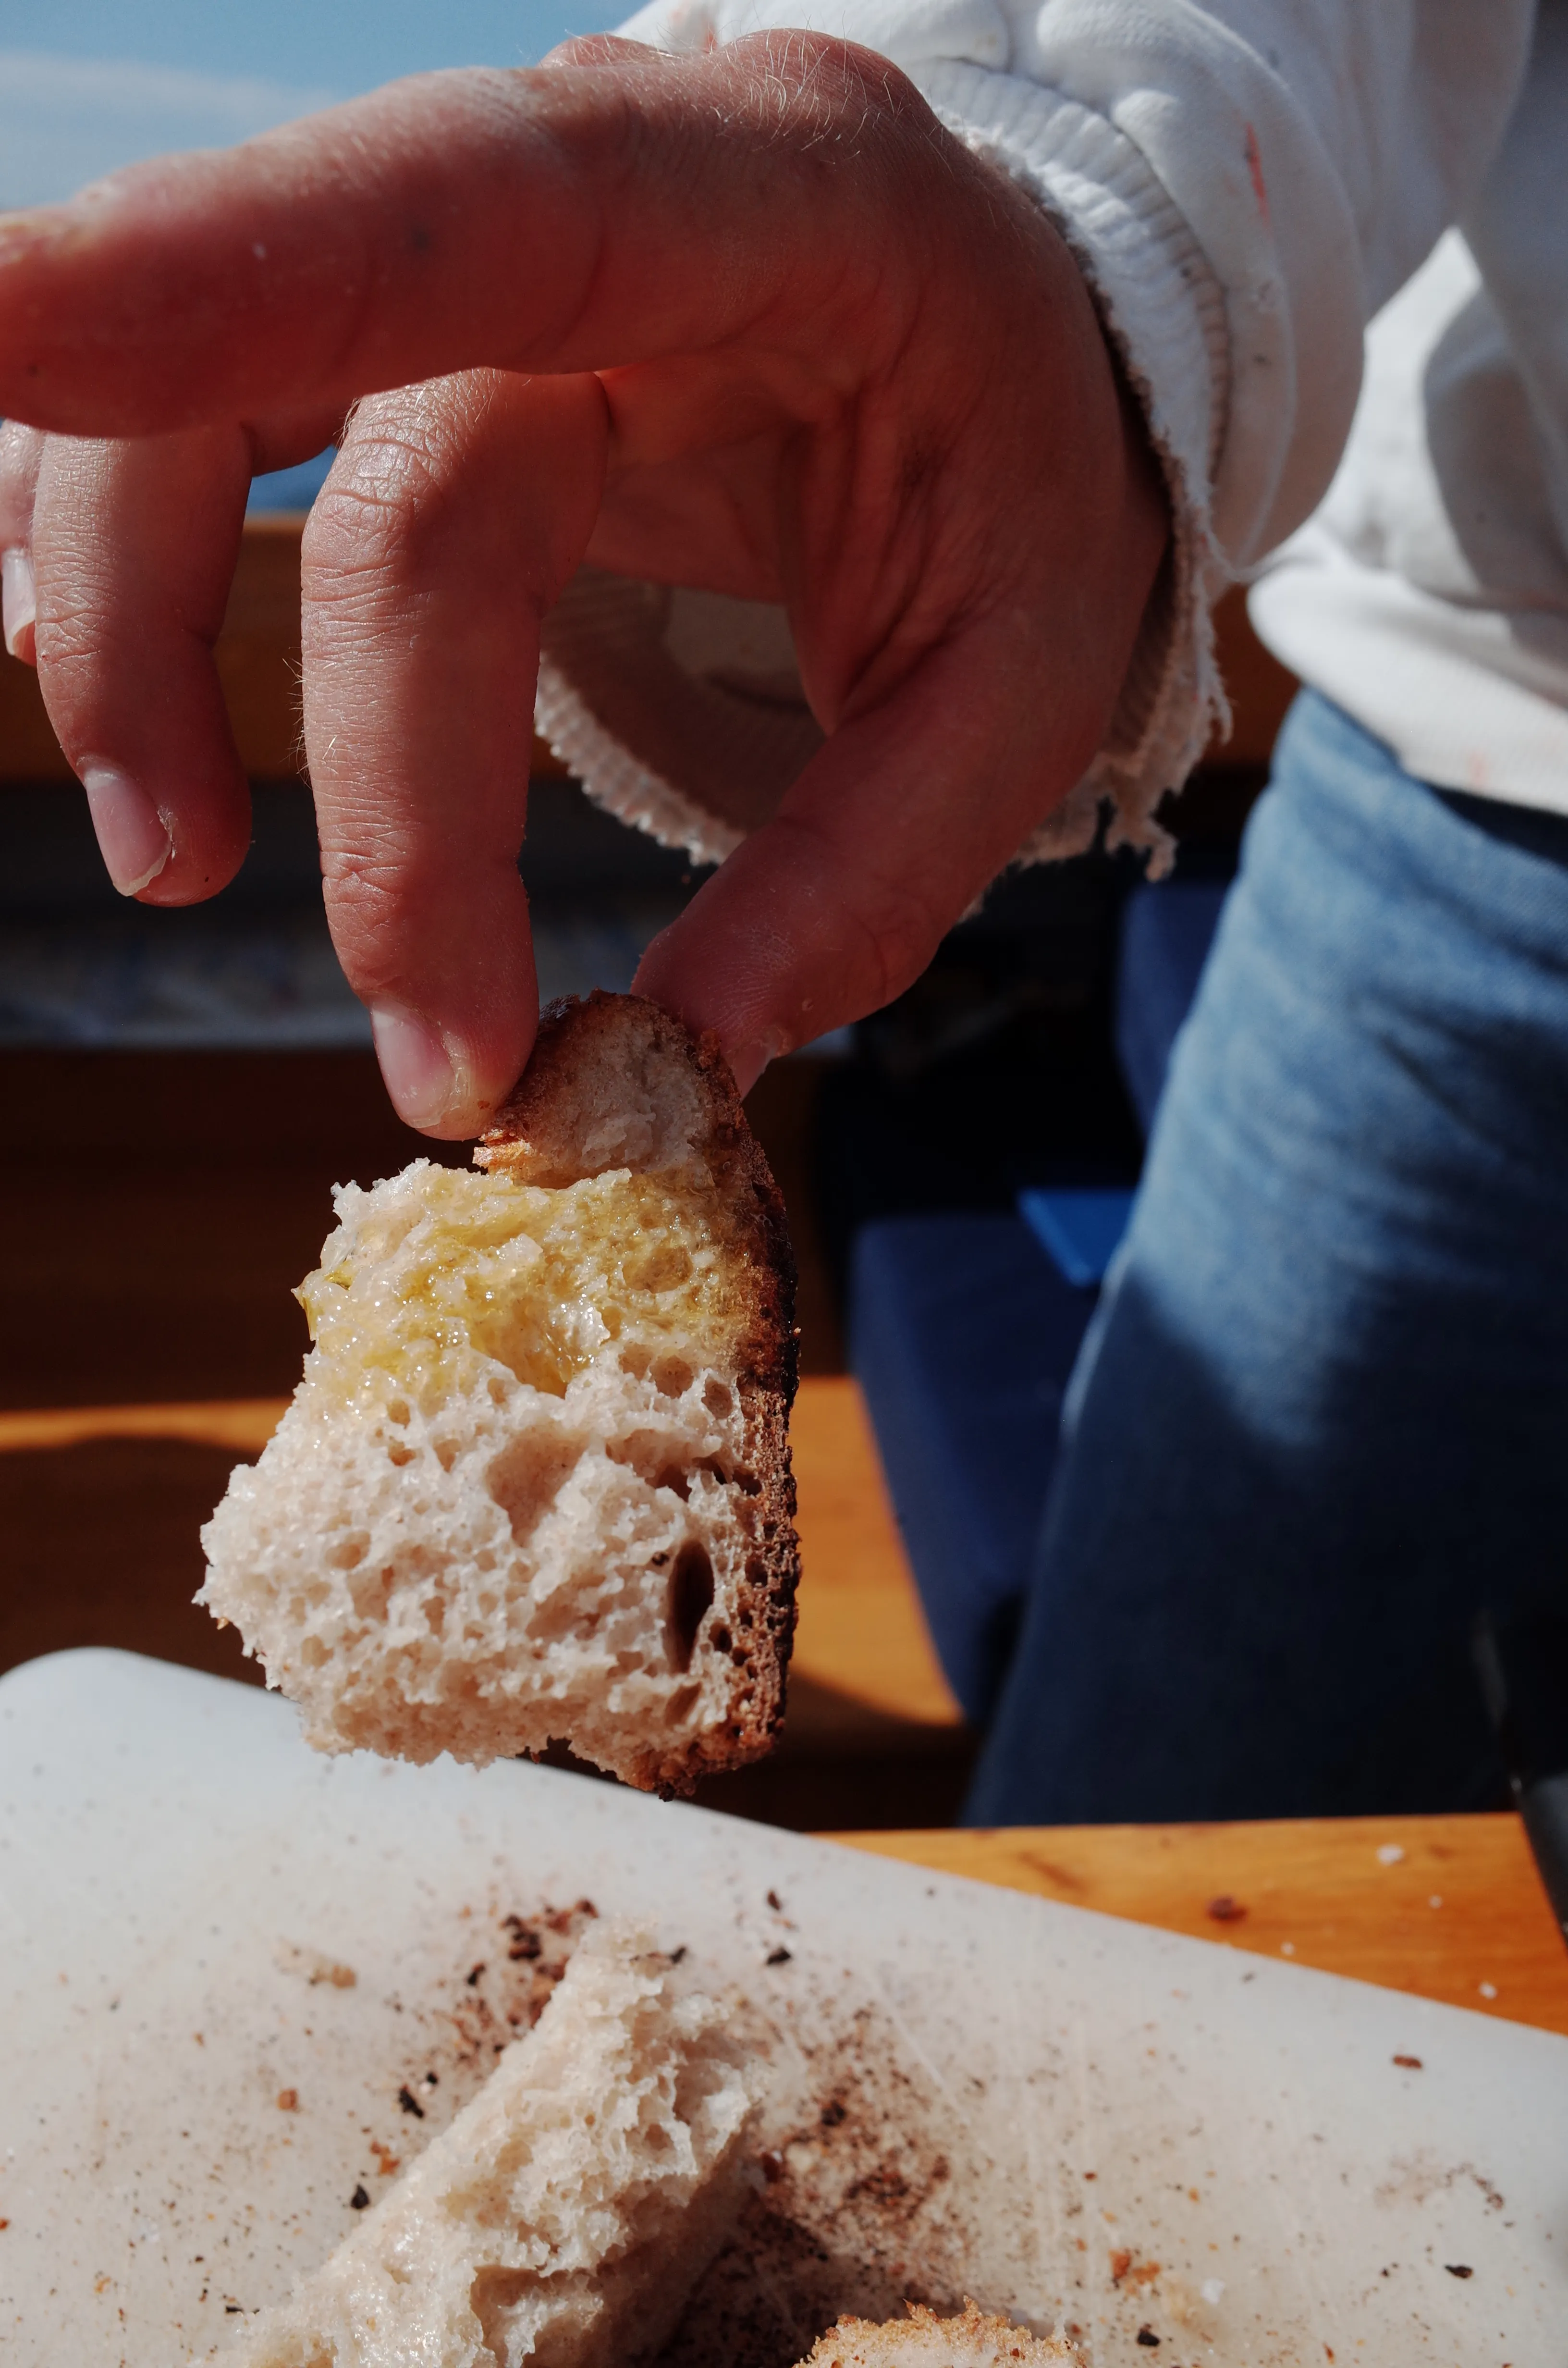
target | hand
x=750, y=321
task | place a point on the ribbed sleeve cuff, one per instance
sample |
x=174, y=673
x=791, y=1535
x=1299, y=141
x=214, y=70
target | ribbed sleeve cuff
x=1164, y=311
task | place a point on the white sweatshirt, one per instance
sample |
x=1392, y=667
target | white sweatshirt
x=1246, y=184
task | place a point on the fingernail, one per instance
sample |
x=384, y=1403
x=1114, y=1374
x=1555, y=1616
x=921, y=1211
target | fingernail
x=132, y=836
x=419, y=1072
x=748, y=1063
x=19, y=600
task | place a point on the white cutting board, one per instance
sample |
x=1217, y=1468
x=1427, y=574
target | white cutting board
x=954, y=2061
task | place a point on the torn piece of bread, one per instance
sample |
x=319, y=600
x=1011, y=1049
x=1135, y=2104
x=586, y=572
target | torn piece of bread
x=535, y=1484
x=923, y=2340
x=566, y=2213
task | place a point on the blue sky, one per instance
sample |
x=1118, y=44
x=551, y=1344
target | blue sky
x=87, y=85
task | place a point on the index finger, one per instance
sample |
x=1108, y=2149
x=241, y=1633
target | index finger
x=568, y=218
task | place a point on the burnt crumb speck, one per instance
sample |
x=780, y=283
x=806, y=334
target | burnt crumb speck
x=677, y=1956
x=359, y=2198
x=833, y=2113
x=1224, y=1909
x=780, y=1956
x=1147, y=2336
x=776, y=1903
x=486, y=2000
x=527, y=1945
x=1459, y=2268
x=1408, y=2063
x=886, y=2183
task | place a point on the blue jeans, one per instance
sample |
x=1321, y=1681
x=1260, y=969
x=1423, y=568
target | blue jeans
x=1322, y=1413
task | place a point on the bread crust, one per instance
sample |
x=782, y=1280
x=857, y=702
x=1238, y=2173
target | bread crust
x=579, y=1069
x=976, y=2339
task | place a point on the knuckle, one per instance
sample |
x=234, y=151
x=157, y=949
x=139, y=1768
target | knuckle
x=75, y=645
x=802, y=91
x=388, y=495
x=353, y=527
x=358, y=530
x=816, y=71
x=602, y=49
x=366, y=907
x=21, y=456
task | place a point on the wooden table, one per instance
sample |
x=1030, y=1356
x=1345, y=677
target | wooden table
x=1447, y=1908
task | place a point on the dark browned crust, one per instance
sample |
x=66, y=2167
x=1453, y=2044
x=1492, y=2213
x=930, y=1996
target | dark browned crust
x=535, y=1139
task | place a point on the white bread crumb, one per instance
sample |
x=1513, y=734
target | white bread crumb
x=566, y=2213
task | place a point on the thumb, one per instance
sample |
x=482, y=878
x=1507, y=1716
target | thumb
x=888, y=835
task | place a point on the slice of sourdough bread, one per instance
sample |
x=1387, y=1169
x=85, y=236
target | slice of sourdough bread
x=535, y=1483
x=566, y=2213
x=924, y=2341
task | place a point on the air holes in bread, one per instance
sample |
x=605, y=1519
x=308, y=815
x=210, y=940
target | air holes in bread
x=655, y=1457
x=691, y=1592
x=718, y=1397
x=494, y=2294
x=526, y=1479
x=672, y=1377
